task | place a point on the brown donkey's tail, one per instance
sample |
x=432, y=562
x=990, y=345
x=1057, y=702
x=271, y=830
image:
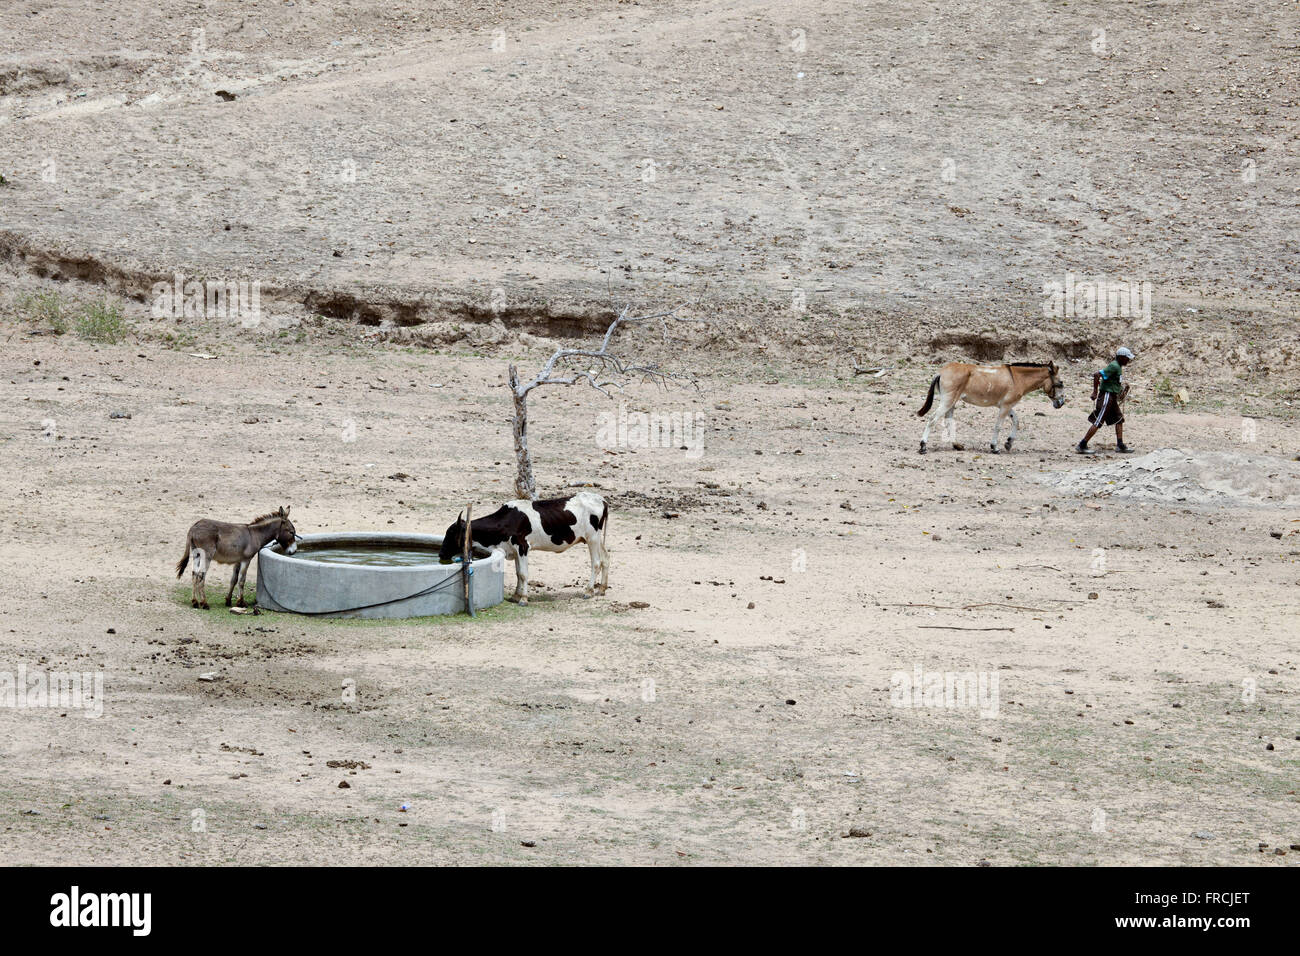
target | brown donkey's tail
x=183, y=562
x=929, y=399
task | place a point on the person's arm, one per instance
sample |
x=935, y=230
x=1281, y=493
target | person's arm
x=1096, y=384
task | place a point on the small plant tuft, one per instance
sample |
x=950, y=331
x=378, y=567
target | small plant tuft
x=43, y=308
x=101, y=321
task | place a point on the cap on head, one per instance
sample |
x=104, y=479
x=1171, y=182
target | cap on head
x=1123, y=352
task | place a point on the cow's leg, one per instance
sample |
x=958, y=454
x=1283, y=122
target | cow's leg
x=1015, y=427
x=597, y=559
x=521, y=577
x=604, y=566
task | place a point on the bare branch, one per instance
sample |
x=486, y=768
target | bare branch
x=603, y=370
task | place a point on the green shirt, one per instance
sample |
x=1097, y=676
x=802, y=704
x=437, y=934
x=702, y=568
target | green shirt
x=1110, y=378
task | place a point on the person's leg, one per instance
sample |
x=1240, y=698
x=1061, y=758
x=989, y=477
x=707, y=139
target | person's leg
x=1098, y=419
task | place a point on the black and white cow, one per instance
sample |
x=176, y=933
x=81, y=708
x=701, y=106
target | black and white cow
x=520, y=526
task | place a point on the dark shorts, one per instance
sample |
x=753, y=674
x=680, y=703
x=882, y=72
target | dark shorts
x=1107, y=411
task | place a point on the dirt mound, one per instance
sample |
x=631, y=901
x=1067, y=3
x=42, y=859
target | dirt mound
x=1206, y=478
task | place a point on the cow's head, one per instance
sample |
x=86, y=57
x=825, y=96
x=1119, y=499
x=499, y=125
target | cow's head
x=453, y=542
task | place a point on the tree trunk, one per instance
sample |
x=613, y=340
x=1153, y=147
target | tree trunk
x=525, y=486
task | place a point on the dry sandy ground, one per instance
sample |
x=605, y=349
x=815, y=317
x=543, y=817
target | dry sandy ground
x=771, y=733
x=424, y=190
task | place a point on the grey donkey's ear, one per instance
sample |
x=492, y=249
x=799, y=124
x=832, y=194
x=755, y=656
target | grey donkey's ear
x=286, y=510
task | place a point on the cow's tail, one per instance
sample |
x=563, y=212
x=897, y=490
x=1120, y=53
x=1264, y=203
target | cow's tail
x=183, y=562
x=929, y=399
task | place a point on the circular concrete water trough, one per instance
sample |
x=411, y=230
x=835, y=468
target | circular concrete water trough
x=373, y=574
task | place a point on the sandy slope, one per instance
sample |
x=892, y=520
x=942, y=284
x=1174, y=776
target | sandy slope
x=867, y=154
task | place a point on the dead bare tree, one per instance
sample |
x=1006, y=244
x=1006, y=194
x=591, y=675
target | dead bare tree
x=604, y=370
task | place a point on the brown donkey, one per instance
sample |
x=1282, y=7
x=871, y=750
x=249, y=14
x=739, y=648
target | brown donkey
x=235, y=544
x=985, y=385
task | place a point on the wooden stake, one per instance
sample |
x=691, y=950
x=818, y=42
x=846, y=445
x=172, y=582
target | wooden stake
x=466, y=557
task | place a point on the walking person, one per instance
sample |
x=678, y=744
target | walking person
x=1108, y=392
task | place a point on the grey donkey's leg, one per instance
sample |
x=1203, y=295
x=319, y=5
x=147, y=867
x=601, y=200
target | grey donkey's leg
x=197, y=599
x=234, y=580
x=243, y=576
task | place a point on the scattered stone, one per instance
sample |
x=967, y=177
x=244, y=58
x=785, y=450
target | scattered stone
x=640, y=605
x=208, y=677
x=856, y=834
x=528, y=843
x=125, y=415
x=1203, y=835
x=344, y=785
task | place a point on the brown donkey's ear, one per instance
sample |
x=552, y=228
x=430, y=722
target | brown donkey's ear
x=286, y=510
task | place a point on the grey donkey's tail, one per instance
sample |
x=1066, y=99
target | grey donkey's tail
x=183, y=563
x=929, y=399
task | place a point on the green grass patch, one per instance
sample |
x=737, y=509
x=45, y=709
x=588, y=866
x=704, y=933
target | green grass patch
x=217, y=610
x=101, y=321
x=43, y=308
